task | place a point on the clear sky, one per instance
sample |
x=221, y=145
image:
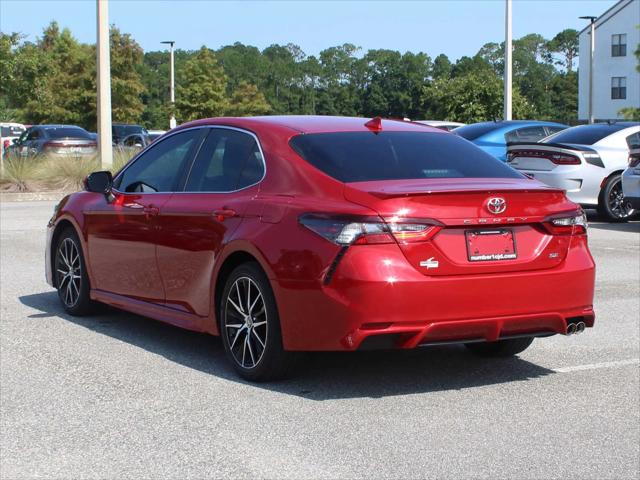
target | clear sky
x=453, y=27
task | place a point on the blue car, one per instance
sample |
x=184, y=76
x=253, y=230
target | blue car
x=493, y=137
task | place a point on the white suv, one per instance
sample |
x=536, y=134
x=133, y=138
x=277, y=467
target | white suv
x=8, y=132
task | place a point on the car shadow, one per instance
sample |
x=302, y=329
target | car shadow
x=600, y=223
x=321, y=376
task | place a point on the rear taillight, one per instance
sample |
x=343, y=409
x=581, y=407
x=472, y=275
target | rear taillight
x=574, y=224
x=553, y=157
x=6, y=144
x=367, y=230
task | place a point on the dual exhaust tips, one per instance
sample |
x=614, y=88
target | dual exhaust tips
x=575, y=328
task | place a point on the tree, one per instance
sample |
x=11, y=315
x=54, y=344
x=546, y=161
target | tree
x=565, y=44
x=126, y=81
x=201, y=87
x=247, y=100
x=442, y=67
x=471, y=98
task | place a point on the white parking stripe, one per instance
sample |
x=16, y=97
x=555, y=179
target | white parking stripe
x=594, y=366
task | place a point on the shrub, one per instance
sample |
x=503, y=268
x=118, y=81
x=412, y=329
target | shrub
x=19, y=173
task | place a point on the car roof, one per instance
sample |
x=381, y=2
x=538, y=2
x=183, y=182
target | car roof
x=57, y=126
x=314, y=123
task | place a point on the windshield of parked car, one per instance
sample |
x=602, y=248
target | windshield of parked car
x=471, y=132
x=12, y=131
x=68, y=132
x=584, y=134
x=366, y=156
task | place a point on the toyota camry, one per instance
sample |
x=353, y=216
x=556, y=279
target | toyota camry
x=291, y=234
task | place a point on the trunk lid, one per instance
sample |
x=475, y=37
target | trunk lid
x=470, y=238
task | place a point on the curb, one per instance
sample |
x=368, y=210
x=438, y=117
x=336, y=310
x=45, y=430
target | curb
x=31, y=196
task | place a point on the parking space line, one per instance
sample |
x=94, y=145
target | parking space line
x=594, y=366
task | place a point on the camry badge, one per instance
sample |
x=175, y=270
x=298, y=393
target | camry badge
x=496, y=205
x=430, y=263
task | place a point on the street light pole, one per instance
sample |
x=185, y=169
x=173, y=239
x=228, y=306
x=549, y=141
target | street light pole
x=592, y=33
x=172, y=95
x=105, y=148
x=507, y=61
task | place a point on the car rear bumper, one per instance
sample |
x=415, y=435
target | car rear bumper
x=377, y=299
x=582, y=186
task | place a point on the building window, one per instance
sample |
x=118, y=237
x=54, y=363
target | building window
x=619, y=45
x=618, y=88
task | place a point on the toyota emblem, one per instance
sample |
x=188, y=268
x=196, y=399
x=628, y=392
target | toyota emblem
x=496, y=205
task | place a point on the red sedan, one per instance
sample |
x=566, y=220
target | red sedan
x=289, y=234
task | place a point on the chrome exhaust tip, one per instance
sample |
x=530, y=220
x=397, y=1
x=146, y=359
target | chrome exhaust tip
x=571, y=329
x=580, y=326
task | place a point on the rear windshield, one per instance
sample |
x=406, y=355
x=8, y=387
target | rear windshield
x=11, y=131
x=584, y=134
x=471, y=132
x=365, y=156
x=68, y=132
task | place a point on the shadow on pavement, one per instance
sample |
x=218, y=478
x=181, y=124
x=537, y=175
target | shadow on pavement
x=322, y=376
x=600, y=223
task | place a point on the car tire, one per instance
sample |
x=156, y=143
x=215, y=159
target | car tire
x=611, y=203
x=501, y=348
x=72, y=281
x=250, y=326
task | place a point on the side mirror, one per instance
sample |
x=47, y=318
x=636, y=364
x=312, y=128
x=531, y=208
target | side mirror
x=99, y=182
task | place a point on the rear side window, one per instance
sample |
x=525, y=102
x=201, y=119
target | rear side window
x=365, y=156
x=471, y=132
x=229, y=160
x=585, y=134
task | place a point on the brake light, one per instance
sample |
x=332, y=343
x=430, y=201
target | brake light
x=574, y=224
x=367, y=230
x=553, y=157
x=6, y=144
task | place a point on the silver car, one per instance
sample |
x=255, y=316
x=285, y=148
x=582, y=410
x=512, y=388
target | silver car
x=586, y=161
x=631, y=178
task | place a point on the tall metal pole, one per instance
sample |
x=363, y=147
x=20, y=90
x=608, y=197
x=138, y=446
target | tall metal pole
x=592, y=48
x=172, y=94
x=104, y=86
x=507, y=61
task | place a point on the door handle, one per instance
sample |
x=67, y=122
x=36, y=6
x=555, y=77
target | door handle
x=224, y=213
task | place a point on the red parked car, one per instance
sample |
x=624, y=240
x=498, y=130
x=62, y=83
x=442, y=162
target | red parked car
x=289, y=234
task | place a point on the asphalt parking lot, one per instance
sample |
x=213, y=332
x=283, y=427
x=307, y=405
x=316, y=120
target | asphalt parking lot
x=119, y=396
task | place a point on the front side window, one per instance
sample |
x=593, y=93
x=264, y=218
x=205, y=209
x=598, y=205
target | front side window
x=366, y=156
x=618, y=88
x=229, y=160
x=33, y=135
x=526, y=134
x=619, y=45
x=159, y=169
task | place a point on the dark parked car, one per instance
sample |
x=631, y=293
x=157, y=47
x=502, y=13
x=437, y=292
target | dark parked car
x=121, y=130
x=56, y=140
x=133, y=143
